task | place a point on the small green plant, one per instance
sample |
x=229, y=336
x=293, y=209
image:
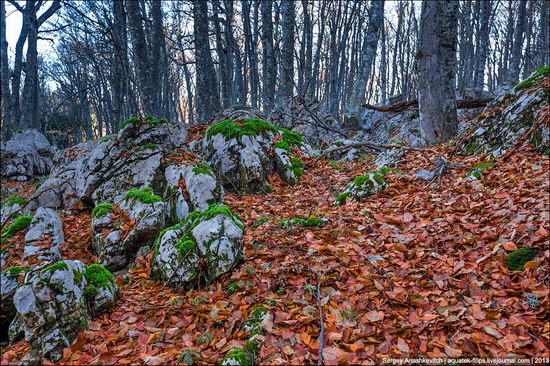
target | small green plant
x=261, y=221
x=478, y=170
x=348, y=314
x=310, y=288
x=105, y=139
x=307, y=222
x=518, y=258
x=206, y=337
x=188, y=356
x=200, y=168
x=101, y=210
x=147, y=146
x=21, y=223
x=234, y=286
x=238, y=356
x=144, y=195
x=198, y=300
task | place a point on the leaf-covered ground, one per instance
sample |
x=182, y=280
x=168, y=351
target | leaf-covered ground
x=443, y=289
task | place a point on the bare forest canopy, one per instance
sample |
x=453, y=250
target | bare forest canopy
x=79, y=68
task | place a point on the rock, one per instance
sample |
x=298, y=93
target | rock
x=440, y=168
x=44, y=237
x=389, y=158
x=9, y=282
x=508, y=119
x=362, y=186
x=425, y=174
x=199, y=249
x=241, y=155
x=116, y=248
x=52, y=307
x=105, y=170
x=26, y=156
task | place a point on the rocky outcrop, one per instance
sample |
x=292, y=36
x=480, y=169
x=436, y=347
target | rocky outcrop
x=507, y=119
x=52, y=306
x=10, y=280
x=96, y=172
x=26, y=156
x=198, y=250
x=241, y=153
x=44, y=237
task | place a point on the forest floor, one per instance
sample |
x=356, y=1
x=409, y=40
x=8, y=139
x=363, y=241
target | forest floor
x=443, y=289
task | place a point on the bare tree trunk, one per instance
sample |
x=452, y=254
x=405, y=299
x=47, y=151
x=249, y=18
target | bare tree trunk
x=287, y=52
x=481, y=57
x=376, y=18
x=4, y=71
x=120, y=65
x=436, y=70
x=269, y=69
x=517, y=46
x=158, y=69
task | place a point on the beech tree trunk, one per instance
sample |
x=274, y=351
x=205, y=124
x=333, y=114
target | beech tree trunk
x=436, y=70
x=287, y=52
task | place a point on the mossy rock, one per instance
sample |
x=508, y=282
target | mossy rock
x=303, y=222
x=518, y=258
x=364, y=185
x=530, y=81
x=230, y=129
x=144, y=195
x=13, y=200
x=101, y=210
x=21, y=223
x=97, y=277
x=15, y=271
x=136, y=121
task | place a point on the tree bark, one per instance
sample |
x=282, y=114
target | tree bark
x=517, y=46
x=436, y=70
x=287, y=52
x=269, y=69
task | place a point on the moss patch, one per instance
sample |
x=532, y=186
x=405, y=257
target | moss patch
x=478, y=170
x=186, y=245
x=59, y=266
x=97, y=277
x=14, y=200
x=101, y=210
x=21, y=223
x=529, y=82
x=309, y=222
x=15, y=271
x=200, y=168
x=238, y=356
x=518, y=258
x=144, y=195
x=136, y=121
x=196, y=217
x=230, y=129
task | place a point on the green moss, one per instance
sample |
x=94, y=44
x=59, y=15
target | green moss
x=14, y=200
x=518, y=258
x=297, y=166
x=144, y=195
x=136, y=121
x=229, y=129
x=147, y=146
x=471, y=148
x=186, y=244
x=101, y=210
x=478, y=170
x=90, y=292
x=309, y=222
x=341, y=198
x=194, y=218
x=289, y=138
x=200, y=168
x=105, y=139
x=15, y=271
x=77, y=276
x=21, y=223
x=58, y=266
x=238, y=356
x=529, y=82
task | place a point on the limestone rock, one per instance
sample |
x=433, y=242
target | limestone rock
x=27, y=155
x=363, y=186
x=45, y=236
x=198, y=250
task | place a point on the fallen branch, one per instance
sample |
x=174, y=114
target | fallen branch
x=371, y=145
x=413, y=104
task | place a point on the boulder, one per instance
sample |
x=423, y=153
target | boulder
x=52, y=306
x=26, y=156
x=10, y=280
x=363, y=186
x=117, y=247
x=44, y=237
x=198, y=250
x=105, y=170
x=241, y=154
x=507, y=119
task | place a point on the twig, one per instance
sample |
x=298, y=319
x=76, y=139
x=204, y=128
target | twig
x=373, y=146
x=413, y=104
x=322, y=324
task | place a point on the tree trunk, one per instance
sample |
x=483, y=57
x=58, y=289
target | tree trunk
x=481, y=55
x=436, y=70
x=517, y=46
x=4, y=71
x=376, y=18
x=287, y=52
x=268, y=61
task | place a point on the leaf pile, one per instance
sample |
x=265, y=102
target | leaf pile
x=417, y=270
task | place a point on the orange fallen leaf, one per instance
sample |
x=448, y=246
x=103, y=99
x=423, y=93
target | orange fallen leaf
x=509, y=246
